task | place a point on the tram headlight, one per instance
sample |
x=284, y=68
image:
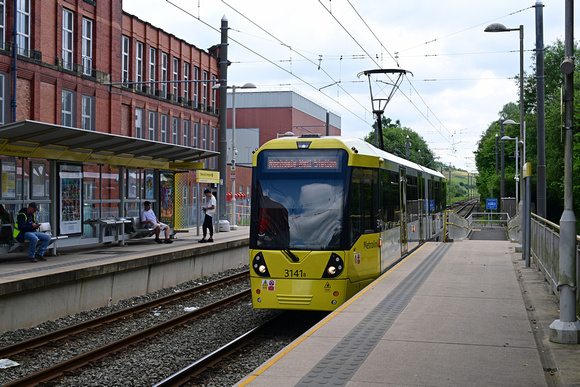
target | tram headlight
x=334, y=267
x=259, y=265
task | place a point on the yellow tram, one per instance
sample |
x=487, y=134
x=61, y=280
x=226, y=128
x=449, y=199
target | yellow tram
x=330, y=214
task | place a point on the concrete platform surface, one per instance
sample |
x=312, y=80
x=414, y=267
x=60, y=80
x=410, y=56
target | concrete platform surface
x=476, y=319
x=15, y=266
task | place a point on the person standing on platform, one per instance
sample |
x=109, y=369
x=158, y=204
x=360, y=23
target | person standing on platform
x=209, y=210
x=148, y=219
x=25, y=229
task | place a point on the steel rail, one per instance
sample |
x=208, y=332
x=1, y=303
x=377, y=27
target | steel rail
x=79, y=361
x=183, y=376
x=36, y=342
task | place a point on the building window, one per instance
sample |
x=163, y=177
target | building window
x=213, y=92
x=214, y=146
x=152, y=65
x=205, y=137
x=164, y=124
x=175, y=78
x=87, y=112
x=139, y=132
x=125, y=61
x=87, y=46
x=195, y=133
x=152, y=126
x=195, y=87
x=186, y=84
x=2, y=99
x=204, y=92
x=23, y=26
x=2, y=23
x=67, y=39
x=139, y=66
x=67, y=108
x=175, y=130
x=164, y=70
x=186, y=134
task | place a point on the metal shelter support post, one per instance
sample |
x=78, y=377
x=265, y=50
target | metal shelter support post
x=223, y=141
x=566, y=330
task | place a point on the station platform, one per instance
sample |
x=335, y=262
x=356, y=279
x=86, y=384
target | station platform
x=91, y=276
x=451, y=314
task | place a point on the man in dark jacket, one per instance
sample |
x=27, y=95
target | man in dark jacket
x=25, y=229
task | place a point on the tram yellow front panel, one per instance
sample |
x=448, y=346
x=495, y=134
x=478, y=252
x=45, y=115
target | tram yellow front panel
x=322, y=294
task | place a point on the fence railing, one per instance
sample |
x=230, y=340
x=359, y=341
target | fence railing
x=456, y=226
x=545, y=252
x=490, y=219
x=242, y=211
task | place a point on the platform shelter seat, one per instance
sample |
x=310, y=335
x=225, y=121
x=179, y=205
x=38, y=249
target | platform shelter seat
x=138, y=230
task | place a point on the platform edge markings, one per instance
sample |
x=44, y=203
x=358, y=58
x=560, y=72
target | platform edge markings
x=261, y=370
x=341, y=363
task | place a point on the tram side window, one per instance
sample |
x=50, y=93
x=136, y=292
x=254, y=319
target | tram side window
x=412, y=197
x=390, y=199
x=437, y=195
x=363, y=202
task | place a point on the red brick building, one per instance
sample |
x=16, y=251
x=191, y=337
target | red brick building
x=89, y=66
x=265, y=115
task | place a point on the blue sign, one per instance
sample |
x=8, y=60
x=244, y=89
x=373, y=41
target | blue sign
x=491, y=204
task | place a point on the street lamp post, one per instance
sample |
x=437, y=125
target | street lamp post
x=517, y=176
x=234, y=225
x=498, y=27
x=502, y=183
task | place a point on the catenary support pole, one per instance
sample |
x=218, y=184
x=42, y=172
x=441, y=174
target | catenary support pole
x=566, y=329
x=223, y=141
x=541, y=112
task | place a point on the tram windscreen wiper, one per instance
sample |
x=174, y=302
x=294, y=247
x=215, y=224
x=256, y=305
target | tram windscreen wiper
x=285, y=249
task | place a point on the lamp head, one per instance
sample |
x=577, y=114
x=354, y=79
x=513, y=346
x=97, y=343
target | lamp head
x=496, y=27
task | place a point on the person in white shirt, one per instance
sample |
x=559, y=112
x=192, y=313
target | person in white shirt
x=209, y=209
x=148, y=219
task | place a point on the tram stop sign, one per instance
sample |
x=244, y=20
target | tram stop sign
x=491, y=204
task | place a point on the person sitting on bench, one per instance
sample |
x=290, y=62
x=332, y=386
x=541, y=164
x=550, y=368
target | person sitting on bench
x=148, y=219
x=25, y=229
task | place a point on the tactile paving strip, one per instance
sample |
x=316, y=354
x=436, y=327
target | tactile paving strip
x=340, y=364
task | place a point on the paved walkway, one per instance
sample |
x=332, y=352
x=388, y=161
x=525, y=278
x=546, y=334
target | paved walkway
x=477, y=318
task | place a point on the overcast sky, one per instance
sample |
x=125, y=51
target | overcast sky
x=462, y=77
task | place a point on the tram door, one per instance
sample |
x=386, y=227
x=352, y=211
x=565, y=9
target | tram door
x=403, y=206
x=421, y=204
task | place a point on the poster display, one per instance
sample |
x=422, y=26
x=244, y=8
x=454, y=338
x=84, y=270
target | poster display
x=167, y=198
x=132, y=184
x=70, y=199
x=149, y=185
x=8, y=179
x=38, y=173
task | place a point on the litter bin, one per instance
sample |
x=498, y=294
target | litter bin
x=224, y=225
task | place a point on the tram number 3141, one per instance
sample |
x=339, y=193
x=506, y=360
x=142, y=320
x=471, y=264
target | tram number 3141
x=294, y=274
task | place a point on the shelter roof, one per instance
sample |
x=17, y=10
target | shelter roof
x=42, y=140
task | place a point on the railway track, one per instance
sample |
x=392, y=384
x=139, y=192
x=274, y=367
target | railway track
x=197, y=368
x=465, y=207
x=58, y=337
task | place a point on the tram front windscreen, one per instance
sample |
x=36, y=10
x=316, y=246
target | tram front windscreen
x=299, y=195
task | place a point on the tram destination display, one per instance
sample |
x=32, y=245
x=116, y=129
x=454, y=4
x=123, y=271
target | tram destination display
x=326, y=162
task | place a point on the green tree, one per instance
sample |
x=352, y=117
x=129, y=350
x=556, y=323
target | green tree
x=554, y=141
x=395, y=140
